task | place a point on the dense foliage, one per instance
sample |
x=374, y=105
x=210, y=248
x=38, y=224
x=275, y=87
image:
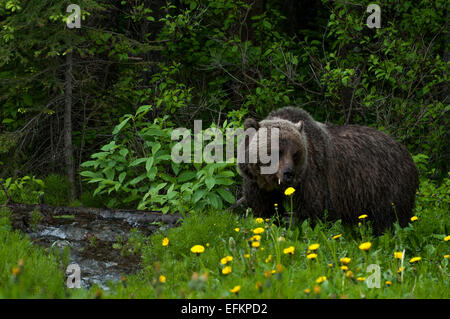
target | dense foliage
x=87, y=115
x=217, y=61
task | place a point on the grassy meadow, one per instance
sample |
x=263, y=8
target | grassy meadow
x=219, y=254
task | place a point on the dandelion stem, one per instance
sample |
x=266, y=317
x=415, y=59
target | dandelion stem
x=292, y=213
x=401, y=265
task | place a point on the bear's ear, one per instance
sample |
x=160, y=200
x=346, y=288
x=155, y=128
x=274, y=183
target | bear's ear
x=299, y=125
x=251, y=123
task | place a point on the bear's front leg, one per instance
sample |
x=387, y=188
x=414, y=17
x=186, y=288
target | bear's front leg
x=262, y=202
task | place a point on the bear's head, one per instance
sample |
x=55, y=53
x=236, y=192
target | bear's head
x=284, y=142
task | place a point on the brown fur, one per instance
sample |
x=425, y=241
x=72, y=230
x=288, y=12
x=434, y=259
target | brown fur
x=346, y=170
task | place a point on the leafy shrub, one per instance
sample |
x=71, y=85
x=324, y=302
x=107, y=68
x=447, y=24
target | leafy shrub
x=137, y=167
x=23, y=190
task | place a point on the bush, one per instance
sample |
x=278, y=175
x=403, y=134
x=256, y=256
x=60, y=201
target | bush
x=27, y=189
x=136, y=169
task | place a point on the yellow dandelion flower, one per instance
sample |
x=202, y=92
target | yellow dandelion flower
x=269, y=258
x=225, y=260
x=162, y=279
x=273, y=271
x=246, y=255
x=337, y=236
x=349, y=274
x=256, y=244
x=15, y=271
x=343, y=267
x=388, y=283
x=321, y=279
x=289, y=250
x=258, y=285
x=316, y=289
x=447, y=238
x=447, y=256
x=207, y=244
x=311, y=256
x=276, y=205
x=258, y=230
x=365, y=246
x=99, y=293
x=197, y=249
x=414, y=218
x=226, y=270
x=414, y=259
x=267, y=220
x=361, y=279
x=345, y=260
x=165, y=241
x=330, y=265
x=400, y=269
x=237, y=229
x=235, y=289
x=289, y=191
x=398, y=255
x=267, y=273
x=363, y=216
x=313, y=247
x=279, y=268
x=307, y=291
x=255, y=237
x=259, y=220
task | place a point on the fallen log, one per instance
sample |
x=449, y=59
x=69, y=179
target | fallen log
x=131, y=216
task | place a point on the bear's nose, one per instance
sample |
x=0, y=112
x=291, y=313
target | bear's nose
x=288, y=175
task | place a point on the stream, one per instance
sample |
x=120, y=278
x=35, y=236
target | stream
x=96, y=241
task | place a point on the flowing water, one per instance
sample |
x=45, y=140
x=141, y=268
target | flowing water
x=97, y=245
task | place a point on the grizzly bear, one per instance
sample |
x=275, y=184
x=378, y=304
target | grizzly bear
x=340, y=172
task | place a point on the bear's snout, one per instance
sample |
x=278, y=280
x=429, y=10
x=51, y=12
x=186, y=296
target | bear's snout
x=288, y=175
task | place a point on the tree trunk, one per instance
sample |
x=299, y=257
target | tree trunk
x=68, y=147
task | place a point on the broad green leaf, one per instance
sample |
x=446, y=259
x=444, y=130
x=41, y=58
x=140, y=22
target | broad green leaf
x=185, y=176
x=136, y=180
x=149, y=164
x=226, y=195
x=210, y=182
x=119, y=127
x=122, y=177
x=137, y=161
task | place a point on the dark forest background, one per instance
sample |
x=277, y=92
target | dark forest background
x=86, y=114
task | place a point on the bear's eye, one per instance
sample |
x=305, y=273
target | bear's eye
x=296, y=156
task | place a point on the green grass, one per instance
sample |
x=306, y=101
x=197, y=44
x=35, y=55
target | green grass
x=200, y=276
x=26, y=271
x=188, y=275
